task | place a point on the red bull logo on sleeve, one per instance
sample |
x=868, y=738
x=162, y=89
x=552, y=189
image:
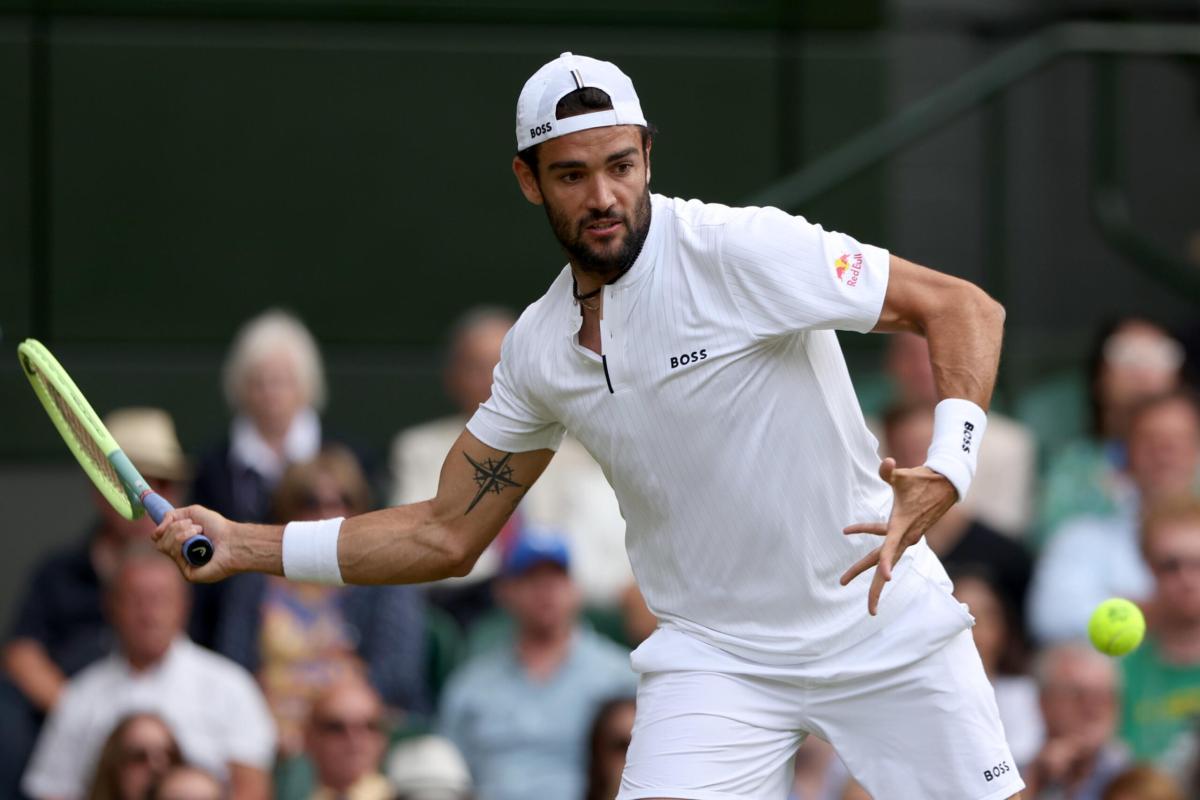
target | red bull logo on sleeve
x=847, y=263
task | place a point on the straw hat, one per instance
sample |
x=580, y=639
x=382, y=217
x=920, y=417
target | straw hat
x=147, y=435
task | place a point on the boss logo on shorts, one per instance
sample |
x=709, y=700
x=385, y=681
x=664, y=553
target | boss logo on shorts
x=996, y=771
x=967, y=430
x=689, y=358
x=540, y=130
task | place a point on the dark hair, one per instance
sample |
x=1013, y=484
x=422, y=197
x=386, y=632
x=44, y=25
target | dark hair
x=596, y=789
x=106, y=784
x=581, y=101
x=1015, y=656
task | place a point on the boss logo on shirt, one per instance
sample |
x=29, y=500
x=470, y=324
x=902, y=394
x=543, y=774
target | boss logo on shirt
x=996, y=771
x=689, y=358
x=540, y=130
x=967, y=428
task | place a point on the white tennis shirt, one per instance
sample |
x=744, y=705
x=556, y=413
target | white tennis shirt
x=722, y=412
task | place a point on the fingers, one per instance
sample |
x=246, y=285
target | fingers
x=877, y=528
x=169, y=537
x=887, y=469
x=861, y=566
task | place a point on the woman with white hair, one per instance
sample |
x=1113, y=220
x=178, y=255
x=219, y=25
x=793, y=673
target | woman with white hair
x=274, y=384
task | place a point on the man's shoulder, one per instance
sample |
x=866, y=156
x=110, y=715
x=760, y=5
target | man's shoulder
x=96, y=679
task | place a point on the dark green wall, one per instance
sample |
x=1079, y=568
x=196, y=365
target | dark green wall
x=199, y=170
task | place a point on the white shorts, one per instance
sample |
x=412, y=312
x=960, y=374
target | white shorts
x=909, y=710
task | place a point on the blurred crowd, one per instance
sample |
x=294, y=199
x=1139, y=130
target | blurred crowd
x=122, y=682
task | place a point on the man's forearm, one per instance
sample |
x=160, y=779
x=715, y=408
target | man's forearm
x=405, y=544
x=965, y=336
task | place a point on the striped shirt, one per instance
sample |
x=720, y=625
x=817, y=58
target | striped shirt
x=722, y=412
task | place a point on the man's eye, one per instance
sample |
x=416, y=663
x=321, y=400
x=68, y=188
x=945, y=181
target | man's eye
x=623, y=168
x=572, y=177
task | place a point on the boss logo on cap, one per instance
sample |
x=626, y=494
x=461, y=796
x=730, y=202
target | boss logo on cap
x=540, y=130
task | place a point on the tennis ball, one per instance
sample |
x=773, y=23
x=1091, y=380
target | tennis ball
x=1116, y=627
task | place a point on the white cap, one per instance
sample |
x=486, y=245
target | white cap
x=535, y=107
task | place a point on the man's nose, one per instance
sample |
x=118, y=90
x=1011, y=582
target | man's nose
x=600, y=196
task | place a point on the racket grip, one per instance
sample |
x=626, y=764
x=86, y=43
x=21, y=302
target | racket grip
x=198, y=550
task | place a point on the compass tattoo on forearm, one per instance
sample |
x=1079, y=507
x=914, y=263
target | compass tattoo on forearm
x=492, y=477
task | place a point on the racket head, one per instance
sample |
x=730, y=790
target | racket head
x=80, y=427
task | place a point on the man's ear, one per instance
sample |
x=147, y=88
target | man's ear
x=527, y=181
x=646, y=155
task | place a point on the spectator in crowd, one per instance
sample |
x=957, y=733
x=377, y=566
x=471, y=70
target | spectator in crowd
x=1131, y=360
x=1002, y=492
x=1143, y=783
x=1001, y=650
x=572, y=495
x=298, y=638
x=1079, y=697
x=345, y=739
x=959, y=538
x=1162, y=677
x=60, y=625
x=212, y=705
x=520, y=713
x=136, y=754
x=1096, y=557
x=608, y=741
x=274, y=384
x=187, y=783
x=428, y=768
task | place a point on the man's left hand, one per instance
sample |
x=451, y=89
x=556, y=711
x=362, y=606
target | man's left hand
x=922, y=496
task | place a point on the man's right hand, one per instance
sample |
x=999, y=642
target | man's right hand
x=181, y=524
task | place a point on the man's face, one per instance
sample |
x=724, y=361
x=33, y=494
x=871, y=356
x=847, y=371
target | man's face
x=541, y=599
x=1173, y=554
x=1164, y=450
x=345, y=737
x=908, y=365
x=274, y=393
x=148, y=603
x=595, y=186
x=1079, y=698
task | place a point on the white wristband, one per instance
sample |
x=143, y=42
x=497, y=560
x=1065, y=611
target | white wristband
x=958, y=427
x=310, y=551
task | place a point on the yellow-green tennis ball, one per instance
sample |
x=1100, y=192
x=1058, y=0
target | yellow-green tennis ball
x=1116, y=627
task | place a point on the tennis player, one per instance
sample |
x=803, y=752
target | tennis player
x=691, y=348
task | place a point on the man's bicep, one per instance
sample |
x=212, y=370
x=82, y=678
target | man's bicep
x=480, y=486
x=913, y=294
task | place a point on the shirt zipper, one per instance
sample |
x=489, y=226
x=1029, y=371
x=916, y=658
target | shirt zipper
x=604, y=337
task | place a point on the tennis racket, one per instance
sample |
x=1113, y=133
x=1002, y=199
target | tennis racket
x=95, y=448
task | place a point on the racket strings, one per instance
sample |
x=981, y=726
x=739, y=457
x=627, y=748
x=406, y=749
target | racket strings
x=82, y=435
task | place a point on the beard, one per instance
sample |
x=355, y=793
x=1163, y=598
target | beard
x=614, y=260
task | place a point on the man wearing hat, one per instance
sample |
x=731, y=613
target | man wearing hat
x=60, y=626
x=691, y=348
x=520, y=713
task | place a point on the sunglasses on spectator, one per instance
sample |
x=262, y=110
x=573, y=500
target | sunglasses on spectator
x=345, y=727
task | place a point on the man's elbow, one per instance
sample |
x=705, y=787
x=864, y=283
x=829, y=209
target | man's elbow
x=985, y=311
x=458, y=557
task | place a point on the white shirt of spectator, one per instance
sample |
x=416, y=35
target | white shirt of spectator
x=731, y=433
x=212, y=706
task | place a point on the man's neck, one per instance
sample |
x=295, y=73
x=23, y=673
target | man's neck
x=142, y=663
x=541, y=653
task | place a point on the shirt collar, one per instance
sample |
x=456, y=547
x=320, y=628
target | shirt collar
x=643, y=265
x=248, y=448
